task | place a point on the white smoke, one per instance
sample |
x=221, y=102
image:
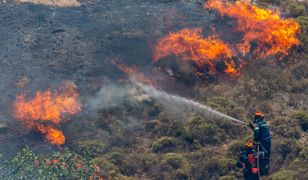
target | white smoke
x=108, y=97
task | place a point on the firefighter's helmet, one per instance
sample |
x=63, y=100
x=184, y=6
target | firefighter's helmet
x=259, y=115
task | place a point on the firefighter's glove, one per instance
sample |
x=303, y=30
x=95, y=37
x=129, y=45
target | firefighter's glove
x=239, y=164
x=251, y=125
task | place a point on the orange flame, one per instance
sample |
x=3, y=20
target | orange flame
x=47, y=107
x=191, y=46
x=133, y=73
x=51, y=134
x=264, y=27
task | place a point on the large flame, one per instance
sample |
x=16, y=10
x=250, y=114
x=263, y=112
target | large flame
x=53, y=135
x=46, y=110
x=272, y=34
x=191, y=46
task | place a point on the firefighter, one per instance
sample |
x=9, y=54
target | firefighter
x=248, y=162
x=262, y=138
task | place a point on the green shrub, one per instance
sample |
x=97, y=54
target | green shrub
x=286, y=127
x=164, y=125
x=214, y=168
x=226, y=165
x=177, y=165
x=154, y=110
x=145, y=161
x=284, y=151
x=110, y=169
x=227, y=178
x=165, y=144
x=222, y=103
x=91, y=148
x=304, y=154
x=205, y=131
x=153, y=125
x=303, y=119
x=300, y=86
x=283, y=175
x=124, y=162
x=303, y=20
x=296, y=9
x=300, y=70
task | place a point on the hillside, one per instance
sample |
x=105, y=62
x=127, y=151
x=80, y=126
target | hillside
x=75, y=68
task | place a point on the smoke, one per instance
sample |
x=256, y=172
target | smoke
x=109, y=96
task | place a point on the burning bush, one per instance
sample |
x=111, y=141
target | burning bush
x=45, y=111
x=189, y=45
x=272, y=34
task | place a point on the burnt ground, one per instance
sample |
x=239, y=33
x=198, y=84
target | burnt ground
x=51, y=44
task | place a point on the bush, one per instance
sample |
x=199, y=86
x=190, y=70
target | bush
x=145, y=162
x=286, y=127
x=283, y=175
x=303, y=20
x=284, y=151
x=296, y=9
x=110, y=169
x=300, y=86
x=91, y=148
x=300, y=70
x=154, y=110
x=122, y=161
x=175, y=166
x=165, y=125
x=177, y=161
x=153, y=125
x=222, y=103
x=214, y=168
x=165, y=144
x=203, y=131
x=303, y=119
x=228, y=178
x=304, y=154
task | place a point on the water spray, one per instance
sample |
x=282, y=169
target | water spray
x=191, y=105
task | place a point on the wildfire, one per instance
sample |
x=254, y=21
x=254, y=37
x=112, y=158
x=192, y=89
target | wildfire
x=51, y=134
x=133, y=73
x=272, y=34
x=191, y=46
x=46, y=110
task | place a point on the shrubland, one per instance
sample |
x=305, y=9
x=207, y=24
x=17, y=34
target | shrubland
x=162, y=145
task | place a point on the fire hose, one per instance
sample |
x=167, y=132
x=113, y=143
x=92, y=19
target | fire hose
x=258, y=160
